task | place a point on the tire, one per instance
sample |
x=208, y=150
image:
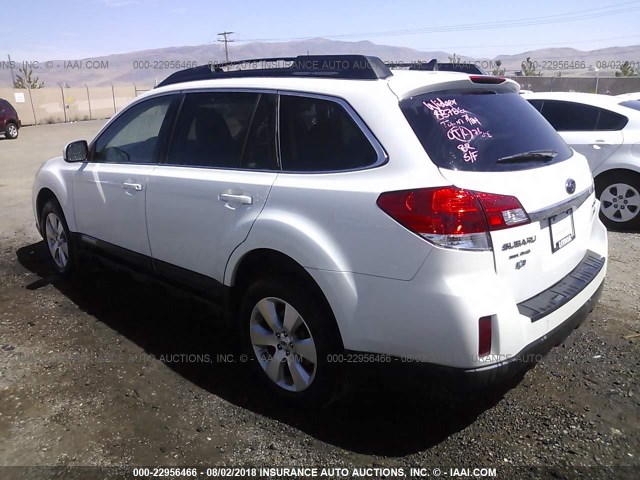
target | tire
x=57, y=238
x=619, y=194
x=11, y=131
x=290, y=335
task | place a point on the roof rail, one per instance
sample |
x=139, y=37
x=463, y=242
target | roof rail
x=352, y=67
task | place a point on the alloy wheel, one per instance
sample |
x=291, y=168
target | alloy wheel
x=57, y=240
x=12, y=130
x=620, y=202
x=283, y=344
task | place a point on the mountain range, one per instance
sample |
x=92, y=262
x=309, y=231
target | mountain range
x=146, y=67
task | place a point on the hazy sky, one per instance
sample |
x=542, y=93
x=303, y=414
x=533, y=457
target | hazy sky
x=72, y=29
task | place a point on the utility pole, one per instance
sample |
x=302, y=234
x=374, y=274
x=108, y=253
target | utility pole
x=226, y=41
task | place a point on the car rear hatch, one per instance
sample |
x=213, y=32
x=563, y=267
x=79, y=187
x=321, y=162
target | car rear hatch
x=536, y=193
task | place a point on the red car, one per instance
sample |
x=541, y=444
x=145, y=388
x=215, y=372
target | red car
x=9, y=121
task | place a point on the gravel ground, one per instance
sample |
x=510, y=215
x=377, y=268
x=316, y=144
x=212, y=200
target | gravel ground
x=106, y=370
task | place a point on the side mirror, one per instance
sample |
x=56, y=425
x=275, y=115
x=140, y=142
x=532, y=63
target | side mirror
x=77, y=151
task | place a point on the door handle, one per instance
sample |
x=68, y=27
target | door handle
x=136, y=186
x=230, y=197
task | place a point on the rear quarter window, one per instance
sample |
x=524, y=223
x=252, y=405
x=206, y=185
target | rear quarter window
x=7, y=108
x=472, y=130
x=318, y=135
x=611, y=121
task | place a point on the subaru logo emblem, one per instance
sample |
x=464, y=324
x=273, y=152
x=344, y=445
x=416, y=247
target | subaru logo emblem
x=570, y=185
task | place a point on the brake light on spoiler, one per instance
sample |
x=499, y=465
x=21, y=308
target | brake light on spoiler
x=486, y=79
x=453, y=217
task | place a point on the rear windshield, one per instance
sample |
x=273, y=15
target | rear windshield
x=472, y=130
x=635, y=104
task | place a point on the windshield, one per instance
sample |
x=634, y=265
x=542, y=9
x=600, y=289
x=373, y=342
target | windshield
x=473, y=130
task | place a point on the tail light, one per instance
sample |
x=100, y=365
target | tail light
x=484, y=336
x=453, y=217
x=486, y=79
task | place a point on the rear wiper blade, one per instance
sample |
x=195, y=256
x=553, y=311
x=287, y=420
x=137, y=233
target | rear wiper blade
x=544, y=155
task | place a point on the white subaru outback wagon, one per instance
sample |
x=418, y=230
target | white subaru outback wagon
x=341, y=210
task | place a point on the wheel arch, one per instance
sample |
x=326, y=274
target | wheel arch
x=616, y=167
x=613, y=171
x=44, y=195
x=51, y=182
x=618, y=170
x=265, y=262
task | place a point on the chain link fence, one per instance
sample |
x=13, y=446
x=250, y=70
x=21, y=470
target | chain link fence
x=61, y=105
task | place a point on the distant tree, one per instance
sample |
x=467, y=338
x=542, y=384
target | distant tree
x=529, y=68
x=25, y=79
x=497, y=70
x=627, y=70
x=455, y=59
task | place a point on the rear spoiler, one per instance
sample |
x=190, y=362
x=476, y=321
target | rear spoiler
x=433, y=66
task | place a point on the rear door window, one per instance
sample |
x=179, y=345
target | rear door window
x=635, y=104
x=472, y=130
x=570, y=116
x=225, y=130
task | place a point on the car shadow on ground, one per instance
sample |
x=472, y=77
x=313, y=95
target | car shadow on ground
x=381, y=416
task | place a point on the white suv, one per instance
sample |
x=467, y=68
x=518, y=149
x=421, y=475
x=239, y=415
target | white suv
x=342, y=212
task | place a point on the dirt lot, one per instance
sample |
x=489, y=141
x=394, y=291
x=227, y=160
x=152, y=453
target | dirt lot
x=108, y=371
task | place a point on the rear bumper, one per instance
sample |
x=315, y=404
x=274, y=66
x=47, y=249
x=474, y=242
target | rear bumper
x=482, y=376
x=551, y=299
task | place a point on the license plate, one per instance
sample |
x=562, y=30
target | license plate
x=561, y=229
